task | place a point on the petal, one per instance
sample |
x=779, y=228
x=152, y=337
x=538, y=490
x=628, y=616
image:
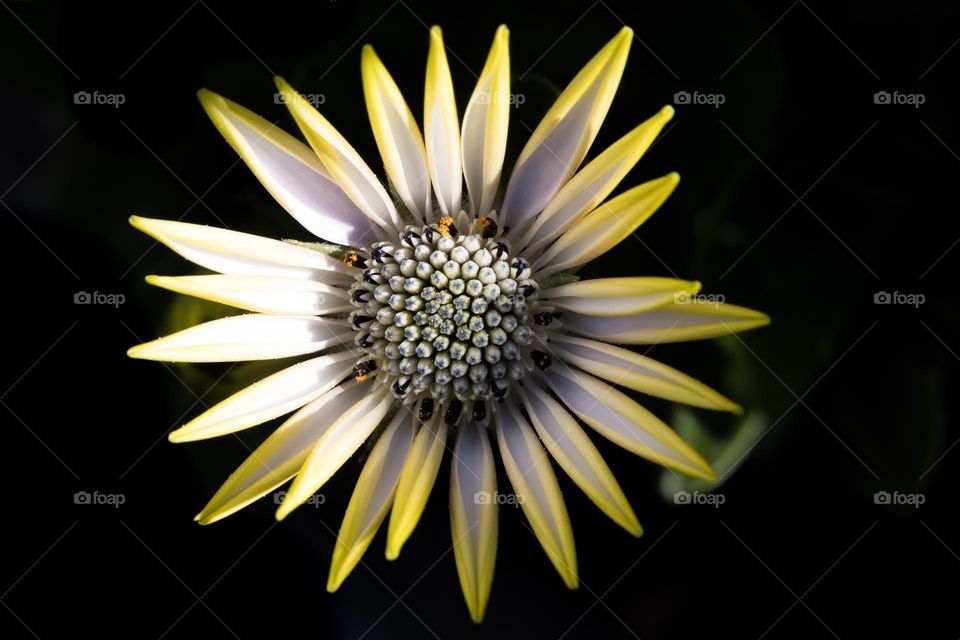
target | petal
x=596, y=181
x=442, y=129
x=372, y=497
x=473, y=516
x=248, y=337
x=344, y=164
x=484, y=133
x=236, y=253
x=275, y=395
x=282, y=454
x=416, y=482
x=263, y=294
x=617, y=296
x=604, y=228
x=537, y=490
x=397, y=134
x=562, y=138
x=576, y=454
x=290, y=172
x=638, y=372
x=623, y=421
x=336, y=445
x=690, y=319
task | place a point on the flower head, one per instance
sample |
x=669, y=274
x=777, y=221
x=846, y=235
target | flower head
x=443, y=314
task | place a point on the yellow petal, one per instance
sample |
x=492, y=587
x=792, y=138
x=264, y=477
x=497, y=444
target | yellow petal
x=485, y=122
x=594, y=182
x=678, y=321
x=621, y=420
x=473, y=516
x=604, y=228
x=576, y=454
x=371, y=498
x=617, y=296
x=640, y=373
x=335, y=446
x=416, y=482
x=342, y=161
x=536, y=490
x=282, y=454
x=397, y=134
x=561, y=140
x=441, y=128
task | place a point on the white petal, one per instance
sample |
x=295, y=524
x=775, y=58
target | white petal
x=372, y=497
x=247, y=337
x=537, y=491
x=236, y=253
x=397, y=134
x=618, y=418
x=693, y=319
x=593, y=183
x=274, y=396
x=442, y=129
x=473, y=516
x=290, y=172
x=576, y=454
x=607, y=225
x=283, y=453
x=563, y=137
x=617, y=296
x=263, y=294
x=336, y=445
x=416, y=482
x=485, y=122
x=343, y=162
x=638, y=372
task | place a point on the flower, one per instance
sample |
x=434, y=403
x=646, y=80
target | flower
x=441, y=315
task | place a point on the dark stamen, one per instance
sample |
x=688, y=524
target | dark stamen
x=453, y=411
x=363, y=370
x=446, y=226
x=426, y=409
x=541, y=359
x=360, y=320
x=543, y=319
x=488, y=227
x=479, y=411
x=353, y=259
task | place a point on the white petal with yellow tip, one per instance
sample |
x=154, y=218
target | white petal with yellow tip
x=282, y=454
x=473, y=516
x=576, y=454
x=247, y=337
x=621, y=420
x=336, y=445
x=537, y=491
x=274, y=396
x=372, y=497
x=441, y=128
x=617, y=296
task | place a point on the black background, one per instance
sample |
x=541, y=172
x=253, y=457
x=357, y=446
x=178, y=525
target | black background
x=800, y=197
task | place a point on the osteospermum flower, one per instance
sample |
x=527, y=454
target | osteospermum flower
x=443, y=315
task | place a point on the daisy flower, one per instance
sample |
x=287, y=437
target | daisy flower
x=437, y=317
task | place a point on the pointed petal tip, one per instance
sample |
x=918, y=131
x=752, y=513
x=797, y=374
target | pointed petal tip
x=436, y=32
x=334, y=580
x=666, y=113
x=392, y=553
x=138, y=352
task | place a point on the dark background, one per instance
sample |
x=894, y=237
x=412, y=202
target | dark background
x=800, y=197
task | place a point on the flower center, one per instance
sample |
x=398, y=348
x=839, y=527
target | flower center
x=442, y=313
